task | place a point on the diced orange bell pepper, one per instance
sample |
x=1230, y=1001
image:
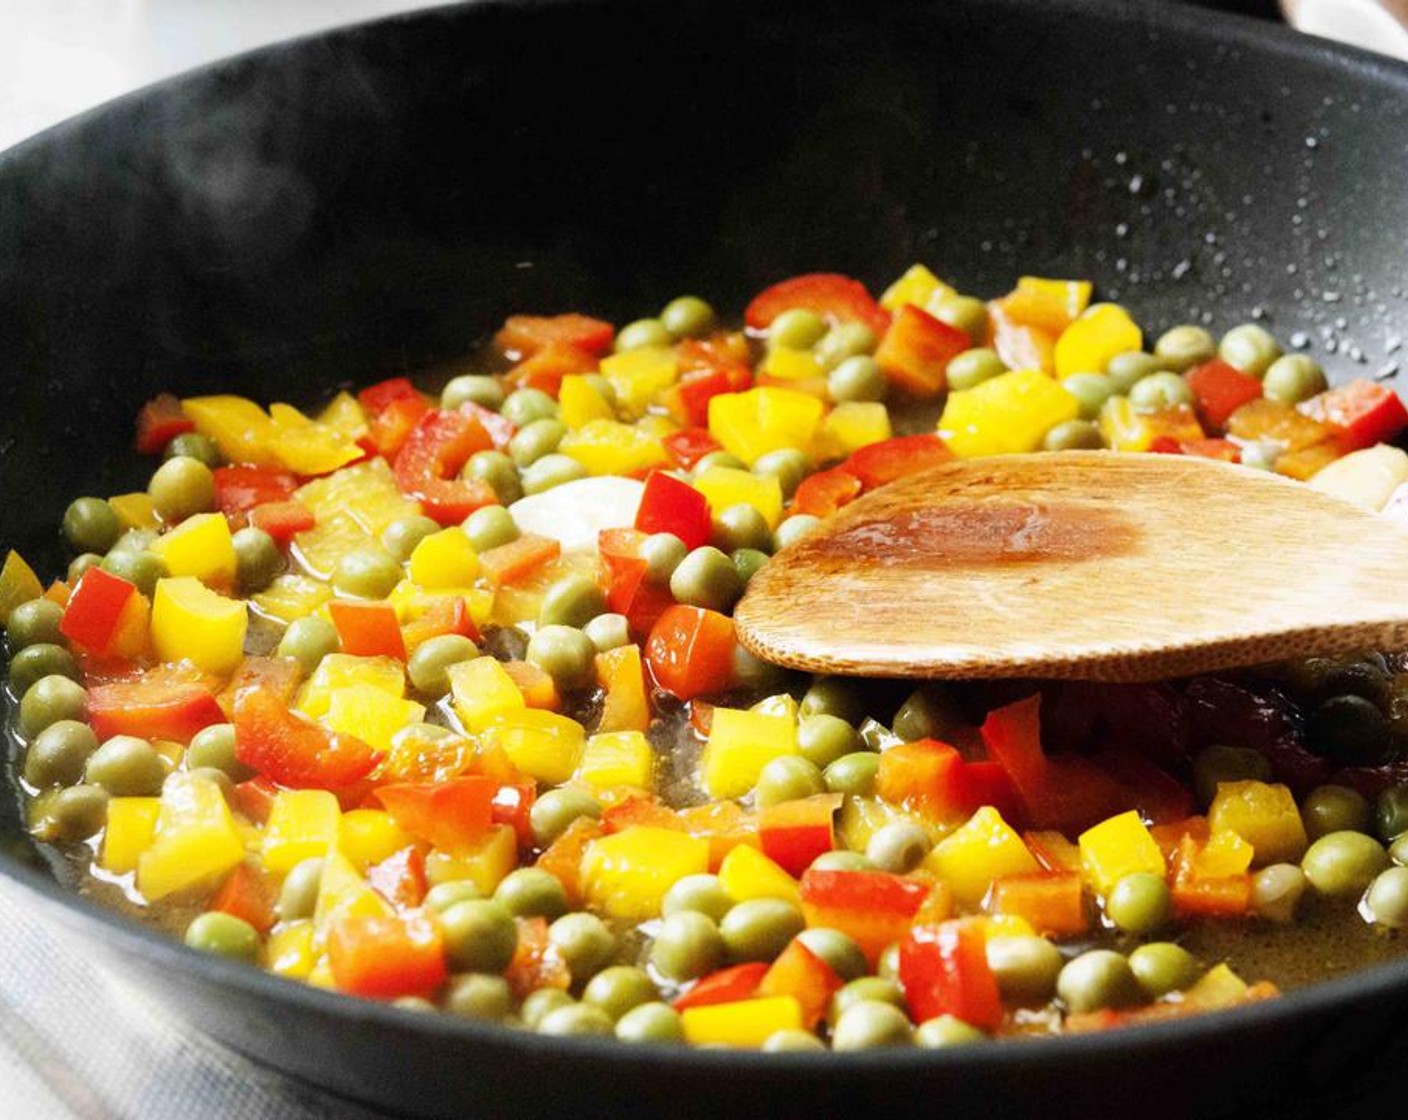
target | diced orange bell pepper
x=367, y=629
x=400, y=878
x=385, y=957
x=513, y=563
x=622, y=676
x=525, y=335
x=915, y=351
x=152, y=709
x=451, y=815
x=690, y=652
x=563, y=857
x=1020, y=345
x=446, y=614
x=823, y=493
x=537, y=686
x=536, y=961
x=546, y=368
x=160, y=421
x=725, y=825
x=896, y=457
x=874, y=908
x=246, y=894
x=1220, y=389
x=801, y=974
x=1052, y=901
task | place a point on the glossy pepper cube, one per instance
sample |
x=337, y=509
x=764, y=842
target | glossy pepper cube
x=617, y=758
x=752, y=423
x=192, y=623
x=727, y=486
x=200, y=546
x=1007, y=414
x=982, y=849
x=370, y=714
x=744, y=1023
x=638, y=376
x=1101, y=332
x=544, y=745
x=302, y=823
x=196, y=839
x=482, y=691
x=444, y=560
x=131, y=827
x=1262, y=814
x=746, y=873
x=740, y=744
x=627, y=873
x=337, y=671
x=1116, y=847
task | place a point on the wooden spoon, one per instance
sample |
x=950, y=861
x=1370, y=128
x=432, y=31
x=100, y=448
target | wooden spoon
x=1094, y=565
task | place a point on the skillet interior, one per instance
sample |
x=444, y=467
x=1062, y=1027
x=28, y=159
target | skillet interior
x=366, y=201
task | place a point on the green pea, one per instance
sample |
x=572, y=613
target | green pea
x=142, y=569
x=1092, y=390
x=688, y=317
x=444, y=895
x=898, y=847
x=706, y=578
x=701, y=893
x=80, y=564
x=193, y=445
x=718, y=459
x=929, y=712
x=857, y=378
x=758, y=929
x=472, y=388
x=792, y=1040
x=797, y=329
x=224, y=935
x=181, y=488
x=556, y=809
x=1342, y=864
x=1390, y=813
x=1250, y=347
x=865, y=989
x=1350, y=729
x=369, y=572
x=523, y=406
x=843, y=861
x=643, y=333
x=618, y=989
x=531, y=442
x=970, y=368
x=1293, y=378
x=1160, y=391
x=90, y=525
x=428, y=666
x=490, y=527
x=402, y=535
x=787, y=778
x=853, y=773
x=966, y=313
x=662, y=553
x=837, y=949
x=794, y=529
x=1185, y=346
x=887, y=964
x=1026, y=967
x=747, y=562
x=1073, y=435
x=573, y=600
x=298, y=896
x=871, y=1025
x=480, y=936
x=308, y=640
x=687, y=945
x=126, y=766
x=565, y=654
x=33, y=622
x=1386, y=902
x=70, y=814
x=822, y=739
x=1097, y=979
x=944, y=1031
x=1161, y=967
x=741, y=526
x=608, y=631
x=135, y=540
x=845, y=341
x=1127, y=369
x=1398, y=851
x=537, y=1005
x=584, y=942
x=59, y=753
x=1277, y=891
x=788, y=465
x=531, y=892
x=48, y=700
x=1215, y=764
x=835, y=696
x=653, y=1022
x=1333, y=808
x=576, y=1020
x=1139, y=903
x=257, y=559
x=552, y=471
x=500, y=474
x=479, y=996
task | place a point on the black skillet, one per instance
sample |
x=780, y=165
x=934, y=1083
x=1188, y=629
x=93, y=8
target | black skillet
x=363, y=202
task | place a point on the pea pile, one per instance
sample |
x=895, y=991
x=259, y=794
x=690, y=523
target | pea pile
x=434, y=698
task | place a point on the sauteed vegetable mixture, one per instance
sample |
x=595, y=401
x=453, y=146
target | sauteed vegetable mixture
x=436, y=698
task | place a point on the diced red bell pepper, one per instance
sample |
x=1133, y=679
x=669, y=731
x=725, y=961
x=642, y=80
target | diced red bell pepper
x=1052, y=901
x=293, y=751
x=160, y=421
x=239, y=488
x=246, y=894
x=151, y=709
x=525, y=335
x=793, y=833
x=545, y=368
x=400, y=878
x=93, y=617
x=282, y=520
x=1219, y=389
x=720, y=350
x=536, y=963
x=623, y=579
x=690, y=652
x=390, y=428
x=874, y=908
x=452, y=815
x=889, y=459
x=512, y=804
x=1362, y=413
x=725, y=986
x=934, y=780
x=914, y=353
x=500, y=428
x=278, y=677
x=385, y=957
x=668, y=505
x=381, y=396
x=427, y=467
x=1158, y=796
x=447, y=614
x=944, y=971
x=512, y=563
x=823, y=493
x=697, y=387
x=832, y=296
x=688, y=445
x=801, y=974
x=367, y=629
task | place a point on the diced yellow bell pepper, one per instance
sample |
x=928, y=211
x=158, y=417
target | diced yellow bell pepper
x=18, y=584
x=1125, y=428
x=201, y=546
x=1007, y=414
x=981, y=850
x=290, y=596
x=791, y=365
x=319, y=549
x=444, y=560
x=483, y=864
x=740, y=745
x=411, y=601
x=617, y=758
x=1224, y=854
x=290, y=950
x=1263, y=815
x=639, y=376
x=852, y=425
x=1088, y=344
x=744, y=1023
x=1218, y=987
x=196, y=839
x=729, y=486
x=371, y=714
x=240, y=428
x=131, y=636
x=337, y=671
x=366, y=492
x=130, y=829
x=482, y=691
x=343, y=890
x=306, y=447
x=579, y=401
x=627, y=873
x=752, y=423
x=302, y=823
x=1118, y=847
x=368, y=836
x=192, y=623
x=611, y=447
x=344, y=414
x=746, y=873
x=918, y=286
x=544, y=745
x=135, y=511
x=321, y=975
x=1051, y=305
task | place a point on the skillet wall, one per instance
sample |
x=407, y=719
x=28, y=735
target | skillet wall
x=366, y=202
